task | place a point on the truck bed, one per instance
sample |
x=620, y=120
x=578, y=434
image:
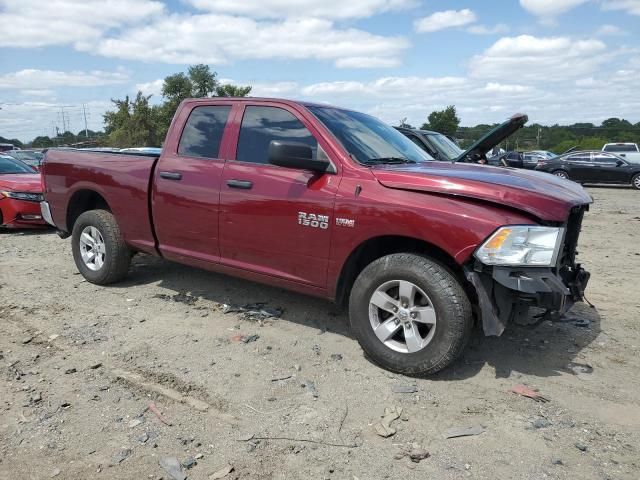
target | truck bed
x=122, y=180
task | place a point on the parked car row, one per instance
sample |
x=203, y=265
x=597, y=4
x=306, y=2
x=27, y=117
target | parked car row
x=593, y=167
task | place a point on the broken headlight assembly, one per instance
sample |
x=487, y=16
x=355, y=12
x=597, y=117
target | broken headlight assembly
x=522, y=245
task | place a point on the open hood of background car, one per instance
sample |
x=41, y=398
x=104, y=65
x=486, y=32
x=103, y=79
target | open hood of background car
x=494, y=137
x=540, y=194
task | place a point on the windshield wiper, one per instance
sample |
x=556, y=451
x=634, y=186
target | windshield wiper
x=382, y=160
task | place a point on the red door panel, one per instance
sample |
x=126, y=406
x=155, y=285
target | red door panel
x=261, y=227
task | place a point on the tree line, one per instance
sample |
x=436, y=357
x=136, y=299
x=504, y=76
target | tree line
x=556, y=138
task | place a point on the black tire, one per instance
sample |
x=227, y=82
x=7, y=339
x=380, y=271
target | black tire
x=561, y=174
x=448, y=297
x=117, y=256
x=635, y=181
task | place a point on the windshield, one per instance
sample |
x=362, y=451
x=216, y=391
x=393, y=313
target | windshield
x=446, y=147
x=22, y=155
x=9, y=165
x=367, y=139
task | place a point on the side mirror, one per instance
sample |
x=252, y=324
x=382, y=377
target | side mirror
x=295, y=155
x=619, y=163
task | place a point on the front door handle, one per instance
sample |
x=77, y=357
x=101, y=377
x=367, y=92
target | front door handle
x=243, y=184
x=171, y=175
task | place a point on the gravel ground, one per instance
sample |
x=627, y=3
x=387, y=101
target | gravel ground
x=85, y=369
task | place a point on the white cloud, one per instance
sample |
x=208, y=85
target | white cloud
x=219, y=39
x=630, y=6
x=505, y=88
x=150, y=88
x=388, y=87
x=37, y=93
x=32, y=79
x=446, y=19
x=36, y=23
x=548, y=9
x=333, y=9
x=485, y=30
x=533, y=59
x=610, y=30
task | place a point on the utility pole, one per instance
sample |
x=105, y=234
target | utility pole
x=538, y=137
x=84, y=112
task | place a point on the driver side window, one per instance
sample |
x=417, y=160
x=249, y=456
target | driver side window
x=261, y=125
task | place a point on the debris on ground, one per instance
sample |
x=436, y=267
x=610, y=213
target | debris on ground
x=28, y=339
x=541, y=423
x=189, y=463
x=311, y=388
x=256, y=312
x=529, y=393
x=279, y=379
x=336, y=357
x=384, y=428
x=135, y=422
x=222, y=472
x=69, y=371
x=156, y=411
x=180, y=297
x=245, y=338
x=415, y=452
x=455, y=432
x=55, y=473
x=95, y=366
x=581, y=446
x=172, y=466
x=580, y=370
x=404, y=389
x=316, y=349
x=121, y=456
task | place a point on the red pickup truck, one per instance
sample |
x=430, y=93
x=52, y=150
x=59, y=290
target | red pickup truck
x=333, y=203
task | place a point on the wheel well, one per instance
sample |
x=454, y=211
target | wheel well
x=83, y=201
x=379, y=247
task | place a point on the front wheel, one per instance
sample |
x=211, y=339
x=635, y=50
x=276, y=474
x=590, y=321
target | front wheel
x=561, y=174
x=635, y=182
x=410, y=314
x=100, y=253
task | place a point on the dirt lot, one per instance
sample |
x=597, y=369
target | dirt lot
x=81, y=364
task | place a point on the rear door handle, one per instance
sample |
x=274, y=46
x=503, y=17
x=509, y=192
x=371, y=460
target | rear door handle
x=244, y=184
x=171, y=175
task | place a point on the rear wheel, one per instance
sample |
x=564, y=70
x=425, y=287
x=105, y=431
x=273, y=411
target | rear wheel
x=410, y=314
x=98, y=248
x=561, y=174
x=635, y=182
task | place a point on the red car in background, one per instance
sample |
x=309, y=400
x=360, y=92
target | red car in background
x=20, y=195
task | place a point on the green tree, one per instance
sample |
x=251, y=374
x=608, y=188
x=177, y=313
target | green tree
x=42, y=142
x=203, y=81
x=133, y=123
x=228, y=90
x=444, y=121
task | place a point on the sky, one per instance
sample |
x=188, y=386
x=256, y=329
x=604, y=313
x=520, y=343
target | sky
x=559, y=61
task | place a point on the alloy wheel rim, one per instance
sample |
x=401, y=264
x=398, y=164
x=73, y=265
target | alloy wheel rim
x=92, y=248
x=402, y=316
x=561, y=175
x=636, y=182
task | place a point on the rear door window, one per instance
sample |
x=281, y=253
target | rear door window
x=579, y=157
x=604, y=158
x=202, y=134
x=260, y=125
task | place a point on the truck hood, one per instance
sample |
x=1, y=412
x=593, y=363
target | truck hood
x=540, y=194
x=21, y=182
x=494, y=137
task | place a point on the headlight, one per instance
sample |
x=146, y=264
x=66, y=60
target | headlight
x=28, y=196
x=522, y=245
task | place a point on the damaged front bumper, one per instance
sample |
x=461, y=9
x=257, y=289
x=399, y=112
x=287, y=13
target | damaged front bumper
x=506, y=294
